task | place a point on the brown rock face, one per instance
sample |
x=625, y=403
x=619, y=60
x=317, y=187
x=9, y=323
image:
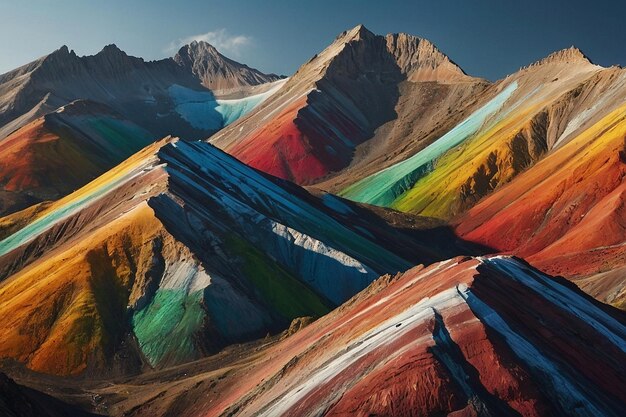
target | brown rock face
x=564, y=56
x=421, y=61
x=359, y=105
x=216, y=71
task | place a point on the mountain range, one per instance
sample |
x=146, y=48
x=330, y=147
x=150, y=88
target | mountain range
x=113, y=105
x=379, y=233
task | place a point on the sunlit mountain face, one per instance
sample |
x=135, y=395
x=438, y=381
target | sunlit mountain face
x=377, y=234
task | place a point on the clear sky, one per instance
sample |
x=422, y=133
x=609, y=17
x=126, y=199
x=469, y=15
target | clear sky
x=487, y=38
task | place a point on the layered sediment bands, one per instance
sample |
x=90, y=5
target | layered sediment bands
x=176, y=253
x=386, y=186
x=62, y=151
x=501, y=165
x=566, y=213
x=334, y=103
x=462, y=337
x=291, y=156
x=425, y=112
x=545, y=106
x=80, y=316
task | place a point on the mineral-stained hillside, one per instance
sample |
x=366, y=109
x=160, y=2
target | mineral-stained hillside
x=466, y=337
x=323, y=121
x=177, y=252
x=459, y=248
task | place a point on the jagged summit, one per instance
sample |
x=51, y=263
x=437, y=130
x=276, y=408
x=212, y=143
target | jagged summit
x=359, y=32
x=215, y=70
x=112, y=49
x=421, y=60
x=571, y=55
x=63, y=54
x=64, y=50
x=109, y=50
x=417, y=58
x=198, y=48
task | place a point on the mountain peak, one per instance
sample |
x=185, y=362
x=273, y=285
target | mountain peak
x=63, y=50
x=197, y=51
x=198, y=47
x=359, y=32
x=57, y=58
x=421, y=60
x=571, y=55
x=111, y=49
x=418, y=59
x=216, y=71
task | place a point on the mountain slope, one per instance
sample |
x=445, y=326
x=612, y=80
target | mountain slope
x=565, y=215
x=521, y=122
x=334, y=103
x=217, y=72
x=66, y=119
x=61, y=151
x=146, y=93
x=127, y=84
x=177, y=252
x=468, y=337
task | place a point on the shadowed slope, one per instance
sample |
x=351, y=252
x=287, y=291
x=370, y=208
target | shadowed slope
x=177, y=252
x=464, y=337
x=18, y=401
x=62, y=151
x=312, y=127
x=566, y=215
x=524, y=119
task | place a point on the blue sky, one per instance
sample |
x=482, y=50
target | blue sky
x=488, y=38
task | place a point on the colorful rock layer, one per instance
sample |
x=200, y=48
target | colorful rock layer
x=466, y=337
x=507, y=135
x=64, y=150
x=566, y=215
x=385, y=187
x=184, y=248
x=312, y=127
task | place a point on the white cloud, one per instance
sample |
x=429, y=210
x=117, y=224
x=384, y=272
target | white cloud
x=220, y=39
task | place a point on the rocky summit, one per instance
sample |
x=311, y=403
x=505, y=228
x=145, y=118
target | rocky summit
x=216, y=71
